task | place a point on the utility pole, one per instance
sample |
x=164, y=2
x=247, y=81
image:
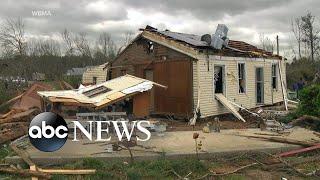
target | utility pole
x=277, y=45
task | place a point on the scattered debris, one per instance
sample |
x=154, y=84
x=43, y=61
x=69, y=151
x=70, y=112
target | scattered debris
x=311, y=122
x=30, y=99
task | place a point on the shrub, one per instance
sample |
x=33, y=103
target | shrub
x=309, y=101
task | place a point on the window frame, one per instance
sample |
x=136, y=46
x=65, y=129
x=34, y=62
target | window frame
x=244, y=77
x=274, y=76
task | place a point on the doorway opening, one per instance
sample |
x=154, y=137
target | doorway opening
x=218, y=78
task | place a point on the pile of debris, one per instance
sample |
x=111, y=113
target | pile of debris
x=23, y=108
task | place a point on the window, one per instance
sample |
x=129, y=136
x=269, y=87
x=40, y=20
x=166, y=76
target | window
x=274, y=76
x=242, y=77
x=96, y=91
x=94, y=80
x=123, y=72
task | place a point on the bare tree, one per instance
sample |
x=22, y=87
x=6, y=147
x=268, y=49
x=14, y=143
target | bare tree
x=12, y=36
x=44, y=48
x=296, y=26
x=266, y=43
x=69, y=42
x=82, y=44
x=127, y=38
x=106, y=45
x=310, y=33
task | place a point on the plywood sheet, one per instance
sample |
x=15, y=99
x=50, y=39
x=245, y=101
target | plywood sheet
x=224, y=101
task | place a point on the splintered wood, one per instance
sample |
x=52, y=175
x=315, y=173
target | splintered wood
x=15, y=125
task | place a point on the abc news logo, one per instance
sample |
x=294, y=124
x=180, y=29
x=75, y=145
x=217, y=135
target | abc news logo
x=48, y=131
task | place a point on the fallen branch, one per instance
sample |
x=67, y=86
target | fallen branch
x=175, y=173
x=294, y=163
x=212, y=173
x=286, y=163
x=234, y=171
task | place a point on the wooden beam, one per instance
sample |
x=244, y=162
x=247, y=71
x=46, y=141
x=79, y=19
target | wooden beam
x=189, y=51
x=298, y=151
x=281, y=140
x=67, y=171
x=25, y=173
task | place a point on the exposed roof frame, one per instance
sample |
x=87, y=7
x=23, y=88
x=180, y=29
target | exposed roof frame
x=189, y=51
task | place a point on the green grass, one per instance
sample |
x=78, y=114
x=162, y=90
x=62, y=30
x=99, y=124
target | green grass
x=157, y=169
x=5, y=151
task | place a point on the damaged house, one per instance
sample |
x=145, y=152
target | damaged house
x=95, y=74
x=207, y=75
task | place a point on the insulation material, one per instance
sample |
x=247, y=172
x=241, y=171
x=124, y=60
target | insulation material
x=145, y=86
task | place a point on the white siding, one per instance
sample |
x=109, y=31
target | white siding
x=209, y=106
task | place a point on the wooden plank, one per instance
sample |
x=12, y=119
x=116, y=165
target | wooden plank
x=7, y=114
x=224, y=101
x=33, y=168
x=298, y=151
x=68, y=171
x=115, y=95
x=283, y=89
x=281, y=140
x=25, y=173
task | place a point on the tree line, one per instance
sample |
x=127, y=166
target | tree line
x=22, y=56
x=306, y=33
x=306, y=49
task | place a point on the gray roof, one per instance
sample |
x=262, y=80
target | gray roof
x=188, y=38
x=195, y=40
x=76, y=71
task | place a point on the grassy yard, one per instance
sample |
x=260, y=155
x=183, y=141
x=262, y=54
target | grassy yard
x=191, y=168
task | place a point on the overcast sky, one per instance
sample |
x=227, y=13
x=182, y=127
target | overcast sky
x=246, y=19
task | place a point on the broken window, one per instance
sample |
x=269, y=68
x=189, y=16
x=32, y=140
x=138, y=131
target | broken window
x=242, y=77
x=274, y=76
x=96, y=91
x=150, y=47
